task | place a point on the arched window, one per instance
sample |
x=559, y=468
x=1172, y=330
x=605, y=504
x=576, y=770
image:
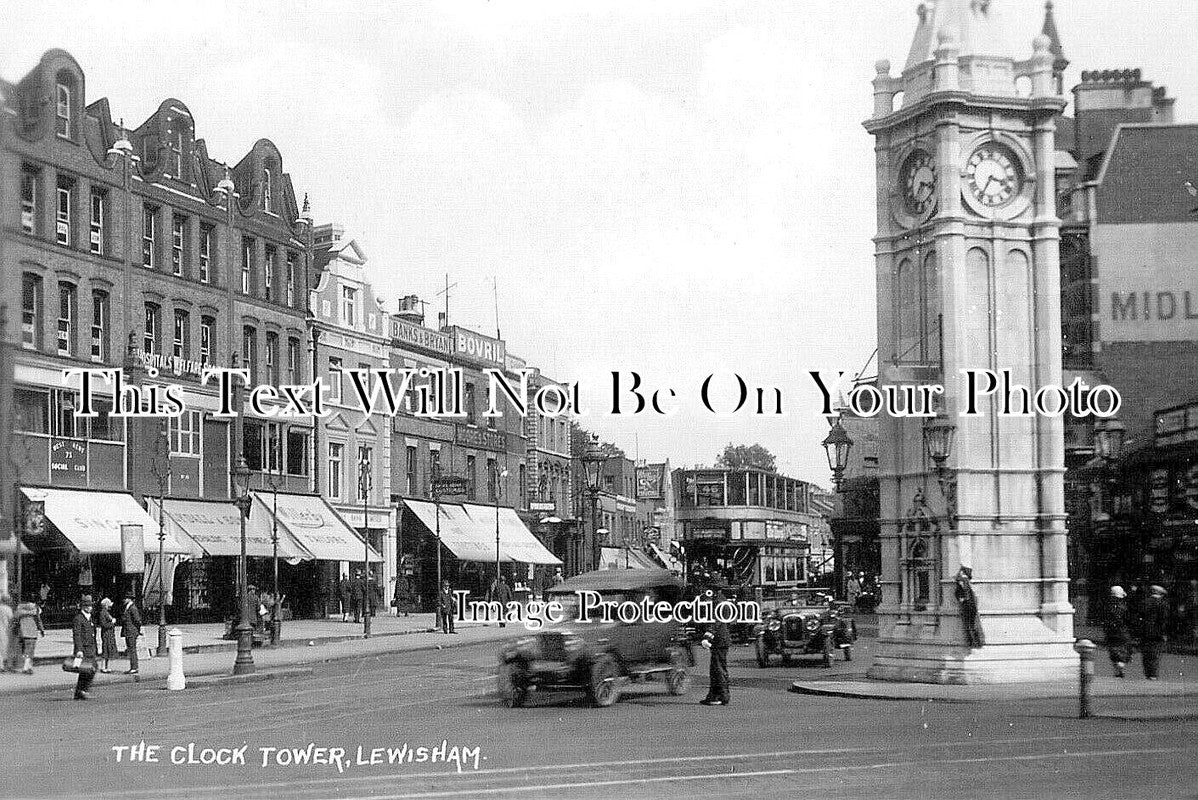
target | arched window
x=64, y=105
x=266, y=195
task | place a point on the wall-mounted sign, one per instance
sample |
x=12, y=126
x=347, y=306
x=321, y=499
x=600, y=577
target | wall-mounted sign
x=405, y=333
x=133, y=549
x=1146, y=287
x=542, y=505
x=1158, y=491
x=468, y=344
x=68, y=462
x=485, y=438
x=172, y=365
x=649, y=481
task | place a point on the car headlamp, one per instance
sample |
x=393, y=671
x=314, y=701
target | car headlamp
x=773, y=624
x=812, y=624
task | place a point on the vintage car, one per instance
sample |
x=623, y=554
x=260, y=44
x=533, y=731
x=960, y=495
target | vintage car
x=598, y=657
x=800, y=630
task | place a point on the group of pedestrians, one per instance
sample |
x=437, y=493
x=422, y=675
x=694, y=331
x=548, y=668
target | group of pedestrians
x=357, y=595
x=1148, y=630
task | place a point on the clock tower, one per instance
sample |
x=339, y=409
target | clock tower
x=968, y=279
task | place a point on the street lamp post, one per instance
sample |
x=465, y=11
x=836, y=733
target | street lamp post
x=364, y=482
x=1109, y=434
x=497, y=476
x=244, y=663
x=938, y=439
x=593, y=458
x=837, y=446
x=274, y=479
x=162, y=471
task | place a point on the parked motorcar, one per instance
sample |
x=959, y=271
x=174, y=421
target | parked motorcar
x=597, y=657
x=792, y=630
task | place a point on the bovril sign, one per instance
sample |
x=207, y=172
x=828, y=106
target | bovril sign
x=468, y=344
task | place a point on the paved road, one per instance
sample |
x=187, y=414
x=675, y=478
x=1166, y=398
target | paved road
x=769, y=743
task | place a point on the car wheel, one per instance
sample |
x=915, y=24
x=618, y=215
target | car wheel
x=763, y=658
x=678, y=681
x=786, y=659
x=605, y=688
x=848, y=653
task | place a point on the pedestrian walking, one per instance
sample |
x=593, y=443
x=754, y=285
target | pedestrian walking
x=373, y=595
x=403, y=595
x=970, y=621
x=29, y=630
x=717, y=640
x=1117, y=630
x=853, y=588
x=445, y=606
x=83, y=637
x=130, y=631
x=357, y=592
x=1154, y=618
x=343, y=597
x=7, y=634
x=501, y=593
x=107, y=625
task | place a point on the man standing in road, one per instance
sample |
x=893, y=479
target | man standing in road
x=130, y=632
x=501, y=593
x=445, y=605
x=343, y=597
x=357, y=592
x=83, y=635
x=1117, y=630
x=717, y=641
x=1153, y=620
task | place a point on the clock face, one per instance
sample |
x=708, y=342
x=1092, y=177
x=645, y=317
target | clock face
x=918, y=178
x=993, y=175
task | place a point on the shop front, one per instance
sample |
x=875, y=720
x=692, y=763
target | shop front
x=473, y=538
x=74, y=538
x=311, y=541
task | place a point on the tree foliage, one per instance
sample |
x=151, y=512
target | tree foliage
x=746, y=456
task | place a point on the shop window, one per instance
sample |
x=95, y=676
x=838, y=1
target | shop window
x=274, y=447
x=247, y=265
x=249, y=352
x=149, y=234
x=29, y=180
x=66, y=319
x=335, y=373
x=103, y=426
x=365, y=469
x=297, y=452
x=63, y=421
x=100, y=312
x=471, y=478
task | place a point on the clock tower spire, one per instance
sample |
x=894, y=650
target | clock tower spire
x=967, y=272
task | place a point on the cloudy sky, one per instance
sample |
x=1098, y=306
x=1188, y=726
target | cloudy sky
x=671, y=188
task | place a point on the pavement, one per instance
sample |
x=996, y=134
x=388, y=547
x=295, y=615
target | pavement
x=207, y=655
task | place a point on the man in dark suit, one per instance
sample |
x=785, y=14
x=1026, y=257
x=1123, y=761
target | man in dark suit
x=130, y=632
x=717, y=640
x=83, y=635
x=357, y=594
x=445, y=604
x=1154, y=617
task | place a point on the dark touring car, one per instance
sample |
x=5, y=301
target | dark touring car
x=794, y=630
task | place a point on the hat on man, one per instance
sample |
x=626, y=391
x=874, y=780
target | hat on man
x=1157, y=590
x=130, y=595
x=1118, y=592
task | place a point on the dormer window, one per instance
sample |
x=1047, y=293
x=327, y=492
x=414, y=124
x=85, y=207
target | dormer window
x=175, y=143
x=62, y=110
x=266, y=205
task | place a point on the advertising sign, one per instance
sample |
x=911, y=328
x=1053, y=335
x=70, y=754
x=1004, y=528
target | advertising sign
x=649, y=481
x=419, y=336
x=468, y=344
x=1147, y=290
x=133, y=549
x=68, y=462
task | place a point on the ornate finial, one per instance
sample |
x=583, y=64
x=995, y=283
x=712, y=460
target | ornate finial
x=305, y=217
x=226, y=186
x=882, y=66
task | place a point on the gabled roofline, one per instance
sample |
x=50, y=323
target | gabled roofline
x=1114, y=143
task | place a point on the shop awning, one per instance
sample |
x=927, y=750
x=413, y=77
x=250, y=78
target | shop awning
x=458, y=534
x=92, y=520
x=621, y=558
x=668, y=560
x=215, y=526
x=315, y=524
x=516, y=542
x=468, y=531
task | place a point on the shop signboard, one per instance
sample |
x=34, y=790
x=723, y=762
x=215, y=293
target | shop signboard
x=68, y=463
x=133, y=549
x=649, y=481
x=1158, y=491
x=542, y=505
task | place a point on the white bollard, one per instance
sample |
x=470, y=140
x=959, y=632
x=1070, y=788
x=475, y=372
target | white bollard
x=176, y=679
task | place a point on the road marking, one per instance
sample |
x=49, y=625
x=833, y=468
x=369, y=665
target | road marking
x=648, y=762
x=477, y=791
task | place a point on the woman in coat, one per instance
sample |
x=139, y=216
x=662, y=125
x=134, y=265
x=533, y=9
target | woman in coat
x=970, y=621
x=107, y=625
x=29, y=629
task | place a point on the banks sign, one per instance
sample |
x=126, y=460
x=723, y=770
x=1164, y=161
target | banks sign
x=1147, y=284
